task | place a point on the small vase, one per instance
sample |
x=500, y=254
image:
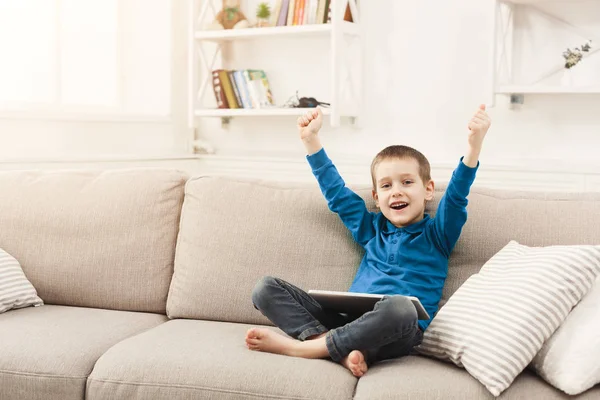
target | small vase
x=262, y=22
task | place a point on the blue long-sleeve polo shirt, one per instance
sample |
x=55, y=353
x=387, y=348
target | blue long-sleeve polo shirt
x=410, y=261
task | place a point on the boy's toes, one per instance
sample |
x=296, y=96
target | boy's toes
x=252, y=333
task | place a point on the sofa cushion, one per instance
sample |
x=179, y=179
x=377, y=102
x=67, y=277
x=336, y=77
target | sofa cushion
x=48, y=352
x=416, y=377
x=496, y=217
x=235, y=232
x=15, y=289
x=94, y=239
x=569, y=360
x=185, y=359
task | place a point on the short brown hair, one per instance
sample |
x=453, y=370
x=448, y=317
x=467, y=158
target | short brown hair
x=402, y=152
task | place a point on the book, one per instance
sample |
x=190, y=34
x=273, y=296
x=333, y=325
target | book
x=260, y=83
x=252, y=92
x=322, y=7
x=227, y=89
x=275, y=13
x=290, y=15
x=218, y=90
x=312, y=12
x=236, y=92
x=242, y=88
x=300, y=12
x=283, y=12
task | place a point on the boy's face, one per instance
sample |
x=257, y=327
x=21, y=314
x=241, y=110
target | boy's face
x=400, y=192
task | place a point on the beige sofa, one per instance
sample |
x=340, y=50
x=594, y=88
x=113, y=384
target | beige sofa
x=147, y=276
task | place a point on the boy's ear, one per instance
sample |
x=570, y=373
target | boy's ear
x=376, y=198
x=429, y=190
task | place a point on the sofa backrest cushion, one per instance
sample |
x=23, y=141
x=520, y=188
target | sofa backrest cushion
x=233, y=232
x=102, y=239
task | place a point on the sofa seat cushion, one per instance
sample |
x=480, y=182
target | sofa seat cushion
x=48, y=352
x=190, y=359
x=416, y=377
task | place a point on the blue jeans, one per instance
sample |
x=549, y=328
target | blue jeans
x=389, y=331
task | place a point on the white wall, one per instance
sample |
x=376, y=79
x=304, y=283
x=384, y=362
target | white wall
x=427, y=69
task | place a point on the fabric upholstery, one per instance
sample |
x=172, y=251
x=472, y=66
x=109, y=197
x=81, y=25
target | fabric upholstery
x=185, y=359
x=47, y=353
x=101, y=239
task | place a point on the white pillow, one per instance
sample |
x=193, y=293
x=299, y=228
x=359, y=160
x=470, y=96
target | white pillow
x=498, y=320
x=15, y=289
x=570, y=359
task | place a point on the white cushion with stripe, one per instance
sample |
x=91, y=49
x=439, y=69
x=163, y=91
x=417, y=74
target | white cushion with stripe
x=498, y=320
x=15, y=289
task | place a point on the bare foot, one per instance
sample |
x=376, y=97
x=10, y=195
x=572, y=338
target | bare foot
x=355, y=362
x=263, y=339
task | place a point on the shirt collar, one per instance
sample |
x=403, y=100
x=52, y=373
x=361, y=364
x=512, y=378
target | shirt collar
x=412, y=228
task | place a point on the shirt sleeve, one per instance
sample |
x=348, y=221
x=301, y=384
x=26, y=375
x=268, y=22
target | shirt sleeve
x=451, y=214
x=349, y=206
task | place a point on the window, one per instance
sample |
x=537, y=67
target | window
x=86, y=56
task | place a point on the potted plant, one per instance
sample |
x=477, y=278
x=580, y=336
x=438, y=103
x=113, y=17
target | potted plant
x=572, y=58
x=263, y=12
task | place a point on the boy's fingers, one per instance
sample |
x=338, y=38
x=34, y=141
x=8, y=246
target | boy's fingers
x=482, y=107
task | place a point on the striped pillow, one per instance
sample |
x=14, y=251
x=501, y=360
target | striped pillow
x=498, y=320
x=15, y=290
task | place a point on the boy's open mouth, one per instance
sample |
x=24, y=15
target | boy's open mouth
x=398, y=205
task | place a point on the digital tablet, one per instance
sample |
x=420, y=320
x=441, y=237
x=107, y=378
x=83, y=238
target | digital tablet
x=357, y=303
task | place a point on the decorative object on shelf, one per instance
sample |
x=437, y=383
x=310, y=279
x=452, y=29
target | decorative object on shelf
x=304, y=102
x=263, y=12
x=230, y=17
x=575, y=76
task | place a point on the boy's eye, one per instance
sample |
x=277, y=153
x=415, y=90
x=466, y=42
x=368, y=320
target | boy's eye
x=385, y=185
x=407, y=182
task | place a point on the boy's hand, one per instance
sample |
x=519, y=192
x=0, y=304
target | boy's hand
x=310, y=123
x=478, y=126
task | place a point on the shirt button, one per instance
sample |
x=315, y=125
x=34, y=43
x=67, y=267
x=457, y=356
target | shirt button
x=394, y=241
x=391, y=258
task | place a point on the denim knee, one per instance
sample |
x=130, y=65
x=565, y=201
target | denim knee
x=262, y=291
x=397, y=308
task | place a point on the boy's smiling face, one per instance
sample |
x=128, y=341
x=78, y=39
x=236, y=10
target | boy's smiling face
x=400, y=191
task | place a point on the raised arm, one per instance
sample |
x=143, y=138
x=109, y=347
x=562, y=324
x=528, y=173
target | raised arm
x=452, y=210
x=349, y=206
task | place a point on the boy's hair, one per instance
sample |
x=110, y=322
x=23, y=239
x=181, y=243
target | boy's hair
x=402, y=152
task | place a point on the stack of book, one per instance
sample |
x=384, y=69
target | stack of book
x=248, y=88
x=304, y=12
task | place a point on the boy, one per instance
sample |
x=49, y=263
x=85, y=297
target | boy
x=406, y=253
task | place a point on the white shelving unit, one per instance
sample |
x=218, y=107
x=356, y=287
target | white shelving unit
x=503, y=32
x=344, y=75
